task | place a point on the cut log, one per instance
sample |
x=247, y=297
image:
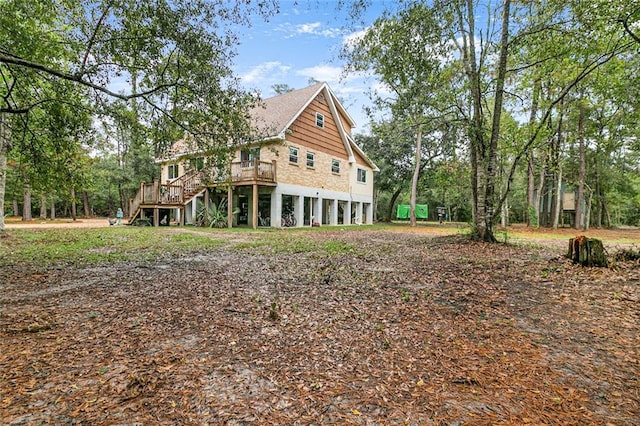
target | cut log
x=587, y=251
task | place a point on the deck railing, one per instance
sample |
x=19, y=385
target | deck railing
x=254, y=170
x=180, y=190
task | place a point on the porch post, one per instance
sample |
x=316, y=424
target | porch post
x=318, y=210
x=346, y=217
x=230, y=207
x=334, y=212
x=299, y=209
x=254, y=206
x=276, y=209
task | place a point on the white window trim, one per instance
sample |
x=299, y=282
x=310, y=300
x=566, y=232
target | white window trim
x=321, y=117
x=297, y=155
x=332, y=162
x=313, y=155
x=364, y=172
x=175, y=168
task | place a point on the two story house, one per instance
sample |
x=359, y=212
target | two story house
x=305, y=171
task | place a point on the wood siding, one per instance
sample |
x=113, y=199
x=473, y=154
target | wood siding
x=306, y=134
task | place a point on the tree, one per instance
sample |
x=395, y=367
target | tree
x=534, y=37
x=405, y=52
x=177, y=53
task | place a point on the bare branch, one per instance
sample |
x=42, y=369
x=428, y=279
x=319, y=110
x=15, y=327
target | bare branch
x=91, y=41
x=77, y=79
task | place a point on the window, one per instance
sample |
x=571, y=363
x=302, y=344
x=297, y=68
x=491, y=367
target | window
x=362, y=176
x=319, y=120
x=311, y=159
x=196, y=163
x=293, y=154
x=335, y=166
x=173, y=171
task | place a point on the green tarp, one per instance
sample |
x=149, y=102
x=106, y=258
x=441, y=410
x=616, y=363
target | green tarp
x=404, y=210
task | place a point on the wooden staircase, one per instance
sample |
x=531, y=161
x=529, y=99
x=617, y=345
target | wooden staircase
x=156, y=196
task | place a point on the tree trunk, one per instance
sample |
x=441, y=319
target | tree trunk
x=416, y=176
x=15, y=207
x=394, y=197
x=43, y=206
x=87, y=208
x=558, y=201
x=587, y=219
x=587, y=251
x=73, y=204
x=53, y=207
x=531, y=177
x=5, y=140
x=582, y=168
x=495, y=125
x=538, y=199
x=26, y=205
x=504, y=215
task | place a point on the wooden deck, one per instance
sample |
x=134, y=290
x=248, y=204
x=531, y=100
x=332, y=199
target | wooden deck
x=177, y=193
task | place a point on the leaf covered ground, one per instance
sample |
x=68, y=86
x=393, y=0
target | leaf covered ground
x=359, y=326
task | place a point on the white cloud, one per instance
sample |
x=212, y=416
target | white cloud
x=353, y=38
x=265, y=71
x=322, y=73
x=310, y=28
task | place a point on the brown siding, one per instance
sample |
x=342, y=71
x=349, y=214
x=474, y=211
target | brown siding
x=307, y=134
x=344, y=120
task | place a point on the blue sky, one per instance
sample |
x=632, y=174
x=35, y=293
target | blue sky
x=303, y=41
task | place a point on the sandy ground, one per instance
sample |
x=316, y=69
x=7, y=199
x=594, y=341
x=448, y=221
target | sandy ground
x=61, y=223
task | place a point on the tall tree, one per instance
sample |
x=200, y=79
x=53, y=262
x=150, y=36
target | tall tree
x=178, y=51
x=405, y=52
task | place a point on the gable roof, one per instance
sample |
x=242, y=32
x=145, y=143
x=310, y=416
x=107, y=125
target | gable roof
x=274, y=115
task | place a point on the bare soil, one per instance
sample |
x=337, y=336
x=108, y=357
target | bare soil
x=389, y=327
x=16, y=223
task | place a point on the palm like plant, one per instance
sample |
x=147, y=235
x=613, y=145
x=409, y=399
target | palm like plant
x=214, y=216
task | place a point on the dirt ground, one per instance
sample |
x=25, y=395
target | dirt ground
x=16, y=223
x=378, y=328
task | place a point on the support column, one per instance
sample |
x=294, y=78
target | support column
x=156, y=217
x=334, y=212
x=369, y=213
x=181, y=215
x=299, y=209
x=346, y=218
x=359, y=213
x=230, y=207
x=318, y=210
x=276, y=209
x=254, y=206
x=194, y=210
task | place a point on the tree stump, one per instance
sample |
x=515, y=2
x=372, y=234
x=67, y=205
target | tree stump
x=587, y=251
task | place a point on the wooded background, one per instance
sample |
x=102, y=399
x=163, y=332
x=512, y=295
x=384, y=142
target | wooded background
x=500, y=112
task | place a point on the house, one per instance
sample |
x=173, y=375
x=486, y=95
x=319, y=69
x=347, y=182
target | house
x=306, y=170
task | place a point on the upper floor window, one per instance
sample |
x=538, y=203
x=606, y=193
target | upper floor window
x=311, y=159
x=173, y=171
x=293, y=154
x=335, y=166
x=362, y=176
x=319, y=120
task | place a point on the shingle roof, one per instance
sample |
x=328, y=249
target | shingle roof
x=274, y=115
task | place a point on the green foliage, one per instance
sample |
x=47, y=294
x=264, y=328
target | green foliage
x=213, y=216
